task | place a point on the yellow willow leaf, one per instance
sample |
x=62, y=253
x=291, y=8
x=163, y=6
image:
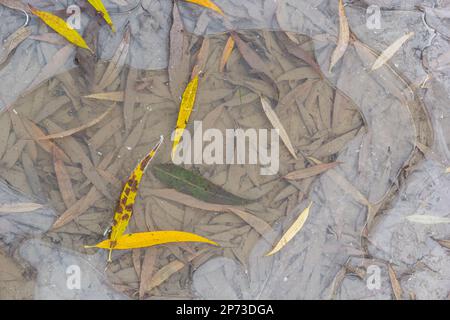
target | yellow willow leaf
x=61, y=27
x=390, y=51
x=149, y=239
x=98, y=5
x=292, y=231
x=276, y=123
x=344, y=37
x=186, y=107
x=207, y=4
x=229, y=46
x=124, y=209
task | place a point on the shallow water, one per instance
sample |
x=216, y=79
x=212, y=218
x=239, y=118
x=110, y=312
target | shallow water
x=370, y=122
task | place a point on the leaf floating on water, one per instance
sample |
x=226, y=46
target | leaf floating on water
x=390, y=51
x=207, y=4
x=190, y=183
x=292, y=231
x=229, y=46
x=426, y=219
x=311, y=171
x=343, y=39
x=149, y=239
x=19, y=207
x=276, y=123
x=70, y=132
x=396, y=288
x=61, y=27
x=100, y=7
x=186, y=107
x=124, y=209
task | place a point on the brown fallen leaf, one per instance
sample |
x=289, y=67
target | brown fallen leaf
x=148, y=268
x=179, y=66
x=229, y=46
x=12, y=42
x=130, y=98
x=262, y=227
x=396, y=288
x=19, y=207
x=117, y=62
x=292, y=231
x=64, y=182
x=276, y=123
x=444, y=243
x=70, y=132
x=201, y=59
x=343, y=39
x=387, y=54
x=15, y=5
x=207, y=4
x=311, y=171
x=54, y=66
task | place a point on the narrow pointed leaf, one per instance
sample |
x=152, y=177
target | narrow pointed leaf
x=191, y=183
x=100, y=7
x=149, y=239
x=292, y=231
x=207, y=4
x=390, y=51
x=61, y=27
x=343, y=39
x=186, y=107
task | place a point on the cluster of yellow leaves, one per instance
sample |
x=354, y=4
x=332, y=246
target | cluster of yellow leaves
x=120, y=241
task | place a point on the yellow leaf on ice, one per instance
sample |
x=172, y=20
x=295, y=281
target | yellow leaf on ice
x=149, y=239
x=186, y=107
x=99, y=6
x=207, y=4
x=61, y=27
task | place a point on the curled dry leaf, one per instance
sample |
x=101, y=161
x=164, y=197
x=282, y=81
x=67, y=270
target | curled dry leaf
x=276, y=123
x=292, y=231
x=148, y=239
x=343, y=39
x=207, y=4
x=390, y=51
x=61, y=27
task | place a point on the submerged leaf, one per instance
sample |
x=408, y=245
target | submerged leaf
x=61, y=27
x=148, y=239
x=396, y=288
x=276, y=123
x=390, y=51
x=12, y=42
x=99, y=6
x=311, y=171
x=229, y=46
x=19, y=207
x=207, y=4
x=187, y=104
x=343, y=39
x=292, y=231
x=426, y=219
x=188, y=182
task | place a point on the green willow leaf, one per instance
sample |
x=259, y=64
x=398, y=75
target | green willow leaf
x=193, y=184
